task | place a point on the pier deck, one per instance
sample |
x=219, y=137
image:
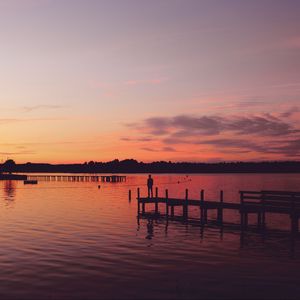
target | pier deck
x=78, y=178
x=258, y=203
x=12, y=177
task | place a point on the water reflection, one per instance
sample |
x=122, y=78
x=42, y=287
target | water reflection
x=66, y=240
x=252, y=243
x=271, y=244
x=150, y=230
x=9, y=190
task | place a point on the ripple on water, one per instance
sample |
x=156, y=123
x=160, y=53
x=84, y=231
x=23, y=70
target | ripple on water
x=64, y=240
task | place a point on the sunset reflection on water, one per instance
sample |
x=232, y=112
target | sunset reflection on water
x=72, y=240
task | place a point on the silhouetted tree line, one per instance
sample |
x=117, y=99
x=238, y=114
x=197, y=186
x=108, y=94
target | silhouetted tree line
x=133, y=166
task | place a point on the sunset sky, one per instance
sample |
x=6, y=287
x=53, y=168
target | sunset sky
x=180, y=80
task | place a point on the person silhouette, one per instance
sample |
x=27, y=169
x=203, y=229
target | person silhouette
x=150, y=186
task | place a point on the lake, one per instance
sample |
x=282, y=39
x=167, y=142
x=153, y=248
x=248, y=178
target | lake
x=72, y=240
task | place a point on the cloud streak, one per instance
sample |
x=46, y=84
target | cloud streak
x=41, y=107
x=20, y=120
x=153, y=81
x=163, y=149
x=264, y=134
x=18, y=153
x=187, y=125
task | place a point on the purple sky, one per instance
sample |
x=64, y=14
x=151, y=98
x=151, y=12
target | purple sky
x=173, y=80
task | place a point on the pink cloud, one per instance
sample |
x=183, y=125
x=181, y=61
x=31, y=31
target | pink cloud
x=147, y=81
x=270, y=133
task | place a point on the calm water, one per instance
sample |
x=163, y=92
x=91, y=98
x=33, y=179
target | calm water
x=64, y=240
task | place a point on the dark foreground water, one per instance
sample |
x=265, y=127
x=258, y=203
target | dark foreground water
x=64, y=240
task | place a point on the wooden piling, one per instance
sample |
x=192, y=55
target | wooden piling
x=156, y=198
x=167, y=202
x=259, y=220
x=242, y=210
x=263, y=217
x=220, y=209
x=172, y=211
x=246, y=220
x=250, y=203
x=294, y=224
x=129, y=195
x=205, y=215
x=139, y=201
x=185, y=204
x=202, y=206
x=143, y=207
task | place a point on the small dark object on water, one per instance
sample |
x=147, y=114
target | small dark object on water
x=99, y=186
x=30, y=182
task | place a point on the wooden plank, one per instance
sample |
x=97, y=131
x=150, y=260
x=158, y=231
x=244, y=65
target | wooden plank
x=281, y=193
x=250, y=192
x=250, y=203
x=281, y=198
x=179, y=202
x=252, y=197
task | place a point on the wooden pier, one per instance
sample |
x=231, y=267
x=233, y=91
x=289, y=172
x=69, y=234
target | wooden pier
x=78, y=178
x=258, y=203
x=12, y=176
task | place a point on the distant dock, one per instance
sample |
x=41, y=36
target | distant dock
x=78, y=178
x=12, y=177
x=259, y=203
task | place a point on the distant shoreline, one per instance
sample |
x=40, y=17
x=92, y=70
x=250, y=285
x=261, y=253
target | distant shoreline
x=131, y=166
x=162, y=173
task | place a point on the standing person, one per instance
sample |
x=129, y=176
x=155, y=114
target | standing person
x=150, y=186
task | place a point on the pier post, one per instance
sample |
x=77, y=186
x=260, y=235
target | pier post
x=167, y=202
x=294, y=223
x=220, y=209
x=242, y=210
x=185, y=204
x=129, y=195
x=205, y=215
x=244, y=213
x=143, y=205
x=139, y=202
x=259, y=220
x=156, y=200
x=263, y=221
x=172, y=211
x=202, y=206
x=246, y=220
